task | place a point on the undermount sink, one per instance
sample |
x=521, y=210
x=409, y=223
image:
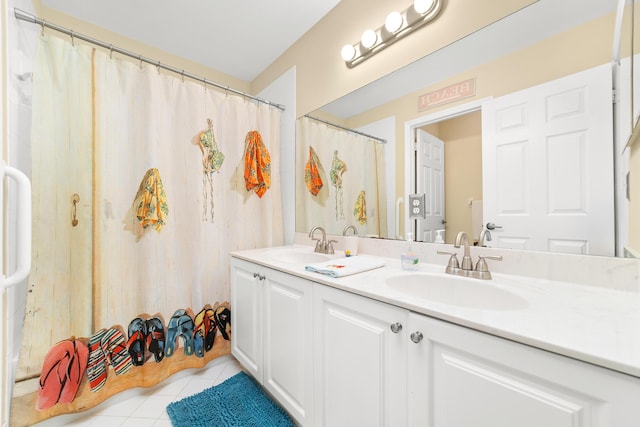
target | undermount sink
x=297, y=256
x=456, y=291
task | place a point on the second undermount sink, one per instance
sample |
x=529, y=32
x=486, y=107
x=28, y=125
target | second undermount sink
x=456, y=291
x=297, y=256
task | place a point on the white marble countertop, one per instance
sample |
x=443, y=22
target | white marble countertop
x=598, y=325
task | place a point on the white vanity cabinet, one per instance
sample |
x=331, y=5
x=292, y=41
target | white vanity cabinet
x=335, y=358
x=461, y=377
x=360, y=365
x=271, y=318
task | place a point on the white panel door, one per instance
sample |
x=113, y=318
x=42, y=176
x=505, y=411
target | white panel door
x=430, y=180
x=288, y=343
x=360, y=369
x=548, y=165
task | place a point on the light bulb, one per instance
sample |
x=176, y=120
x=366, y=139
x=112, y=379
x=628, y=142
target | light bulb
x=422, y=6
x=369, y=39
x=348, y=52
x=393, y=22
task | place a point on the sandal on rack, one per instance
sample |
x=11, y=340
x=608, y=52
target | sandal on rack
x=172, y=332
x=75, y=372
x=155, y=337
x=223, y=321
x=54, y=374
x=180, y=325
x=96, y=368
x=137, y=338
x=210, y=336
x=205, y=331
x=115, y=348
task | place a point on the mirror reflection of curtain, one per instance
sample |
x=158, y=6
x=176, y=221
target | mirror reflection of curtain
x=364, y=159
x=142, y=119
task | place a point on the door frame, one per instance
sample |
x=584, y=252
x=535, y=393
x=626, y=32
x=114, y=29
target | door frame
x=409, y=137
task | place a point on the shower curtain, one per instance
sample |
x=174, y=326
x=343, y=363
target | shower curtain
x=335, y=207
x=99, y=125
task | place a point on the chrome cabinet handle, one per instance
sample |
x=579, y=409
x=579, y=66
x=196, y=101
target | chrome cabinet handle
x=396, y=327
x=416, y=337
x=492, y=226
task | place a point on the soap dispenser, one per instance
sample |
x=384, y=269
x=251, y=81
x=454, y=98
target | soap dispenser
x=409, y=260
x=439, y=238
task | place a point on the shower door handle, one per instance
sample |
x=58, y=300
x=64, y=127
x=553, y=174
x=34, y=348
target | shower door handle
x=23, y=226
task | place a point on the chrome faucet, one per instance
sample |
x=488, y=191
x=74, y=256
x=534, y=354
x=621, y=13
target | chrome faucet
x=484, y=235
x=346, y=228
x=322, y=246
x=481, y=270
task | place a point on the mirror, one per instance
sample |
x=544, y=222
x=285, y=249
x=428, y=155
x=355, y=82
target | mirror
x=541, y=43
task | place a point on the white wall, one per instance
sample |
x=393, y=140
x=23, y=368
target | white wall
x=283, y=91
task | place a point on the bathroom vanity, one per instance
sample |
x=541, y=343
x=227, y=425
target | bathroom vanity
x=394, y=348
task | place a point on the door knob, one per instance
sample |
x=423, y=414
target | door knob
x=416, y=337
x=396, y=327
x=492, y=226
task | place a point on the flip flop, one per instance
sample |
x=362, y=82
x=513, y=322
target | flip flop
x=199, y=333
x=155, y=337
x=205, y=331
x=172, y=332
x=223, y=320
x=75, y=372
x=185, y=329
x=115, y=349
x=137, y=336
x=212, y=327
x=54, y=374
x=97, y=369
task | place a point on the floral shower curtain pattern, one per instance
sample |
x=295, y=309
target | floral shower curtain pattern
x=133, y=119
x=332, y=207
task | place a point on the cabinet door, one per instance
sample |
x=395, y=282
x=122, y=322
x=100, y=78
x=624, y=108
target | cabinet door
x=246, y=313
x=360, y=376
x=460, y=377
x=288, y=343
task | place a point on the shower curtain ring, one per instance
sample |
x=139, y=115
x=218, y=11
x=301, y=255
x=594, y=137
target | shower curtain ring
x=182, y=76
x=42, y=28
x=158, y=67
x=140, y=59
x=73, y=43
x=110, y=51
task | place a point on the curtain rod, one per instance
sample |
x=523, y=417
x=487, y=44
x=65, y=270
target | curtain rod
x=25, y=16
x=381, y=140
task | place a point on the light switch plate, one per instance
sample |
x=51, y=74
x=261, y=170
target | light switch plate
x=417, y=206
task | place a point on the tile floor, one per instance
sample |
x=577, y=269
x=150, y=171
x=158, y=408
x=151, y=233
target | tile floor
x=146, y=407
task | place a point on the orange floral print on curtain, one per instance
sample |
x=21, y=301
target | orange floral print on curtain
x=257, y=164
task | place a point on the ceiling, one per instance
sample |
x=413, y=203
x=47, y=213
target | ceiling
x=238, y=37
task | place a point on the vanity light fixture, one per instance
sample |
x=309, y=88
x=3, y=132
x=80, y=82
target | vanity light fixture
x=396, y=26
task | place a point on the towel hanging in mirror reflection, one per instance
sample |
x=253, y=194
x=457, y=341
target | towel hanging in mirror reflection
x=360, y=209
x=312, y=173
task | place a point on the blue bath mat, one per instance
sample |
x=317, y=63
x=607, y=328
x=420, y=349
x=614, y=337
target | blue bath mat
x=238, y=401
